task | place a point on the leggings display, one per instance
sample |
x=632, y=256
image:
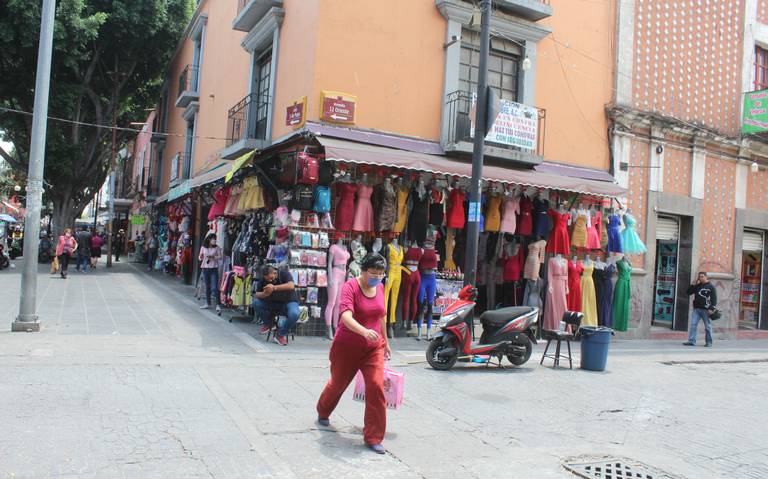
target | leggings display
x=411, y=284
x=427, y=292
x=391, y=292
x=334, y=296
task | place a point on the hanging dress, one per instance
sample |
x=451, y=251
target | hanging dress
x=540, y=218
x=402, y=210
x=614, y=234
x=559, y=242
x=630, y=241
x=417, y=221
x=386, y=208
x=345, y=209
x=602, y=233
x=509, y=210
x=593, y=237
x=436, y=207
x=363, y=210
x=579, y=235
x=220, y=198
x=588, y=301
x=493, y=213
x=598, y=278
x=606, y=303
x=557, y=289
x=525, y=219
x=534, y=260
x=457, y=217
x=621, y=297
x=574, y=286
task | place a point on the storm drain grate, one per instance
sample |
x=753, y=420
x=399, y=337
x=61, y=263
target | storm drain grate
x=615, y=468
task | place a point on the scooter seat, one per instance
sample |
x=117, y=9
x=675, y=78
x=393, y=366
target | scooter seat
x=501, y=316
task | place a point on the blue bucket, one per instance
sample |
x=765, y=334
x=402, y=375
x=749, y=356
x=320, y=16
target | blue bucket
x=594, y=347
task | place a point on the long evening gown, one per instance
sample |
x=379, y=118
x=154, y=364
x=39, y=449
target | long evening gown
x=557, y=287
x=606, y=303
x=621, y=297
x=588, y=302
x=574, y=286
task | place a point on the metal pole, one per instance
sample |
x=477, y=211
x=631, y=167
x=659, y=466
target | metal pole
x=96, y=209
x=27, y=319
x=112, y=166
x=481, y=116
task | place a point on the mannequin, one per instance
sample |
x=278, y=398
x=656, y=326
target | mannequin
x=427, y=290
x=411, y=281
x=358, y=252
x=557, y=290
x=377, y=245
x=394, y=279
x=337, y=272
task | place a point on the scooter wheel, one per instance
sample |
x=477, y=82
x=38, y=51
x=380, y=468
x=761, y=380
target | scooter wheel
x=441, y=363
x=520, y=360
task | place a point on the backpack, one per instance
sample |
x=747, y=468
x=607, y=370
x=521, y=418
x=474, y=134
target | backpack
x=307, y=169
x=325, y=176
x=303, y=197
x=322, y=199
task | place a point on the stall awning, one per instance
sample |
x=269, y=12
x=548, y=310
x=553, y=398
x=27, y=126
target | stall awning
x=376, y=155
x=214, y=174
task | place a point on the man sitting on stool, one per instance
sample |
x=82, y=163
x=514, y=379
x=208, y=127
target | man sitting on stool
x=275, y=294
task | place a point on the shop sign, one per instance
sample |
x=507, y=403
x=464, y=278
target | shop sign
x=516, y=124
x=138, y=220
x=338, y=107
x=474, y=212
x=296, y=114
x=179, y=191
x=755, y=116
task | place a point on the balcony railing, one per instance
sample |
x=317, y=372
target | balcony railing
x=247, y=125
x=188, y=82
x=518, y=128
x=250, y=12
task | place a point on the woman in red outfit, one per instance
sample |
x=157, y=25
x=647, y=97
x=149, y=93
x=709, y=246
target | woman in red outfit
x=361, y=344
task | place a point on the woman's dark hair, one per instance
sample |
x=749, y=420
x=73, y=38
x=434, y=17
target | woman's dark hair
x=373, y=261
x=207, y=240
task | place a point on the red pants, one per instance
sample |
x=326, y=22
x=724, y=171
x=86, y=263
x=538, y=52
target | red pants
x=410, y=293
x=345, y=361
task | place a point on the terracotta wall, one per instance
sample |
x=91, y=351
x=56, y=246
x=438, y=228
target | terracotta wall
x=718, y=216
x=762, y=11
x=574, y=81
x=177, y=127
x=757, y=190
x=677, y=171
x=688, y=60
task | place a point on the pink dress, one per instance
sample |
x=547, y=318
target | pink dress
x=509, y=211
x=346, y=206
x=363, y=210
x=593, y=236
x=557, y=290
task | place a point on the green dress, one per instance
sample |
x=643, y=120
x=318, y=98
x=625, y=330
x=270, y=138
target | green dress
x=621, y=297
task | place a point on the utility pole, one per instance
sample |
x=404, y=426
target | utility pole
x=481, y=129
x=27, y=319
x=112, y=167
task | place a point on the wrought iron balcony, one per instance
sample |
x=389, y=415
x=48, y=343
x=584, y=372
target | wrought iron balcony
x=188, y=83
x=247, y=123
x=517, y=135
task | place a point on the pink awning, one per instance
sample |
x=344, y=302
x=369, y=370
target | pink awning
x=362, y=153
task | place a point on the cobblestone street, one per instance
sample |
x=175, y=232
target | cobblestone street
x=128, y=378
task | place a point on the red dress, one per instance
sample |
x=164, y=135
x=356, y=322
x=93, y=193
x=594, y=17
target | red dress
x=456, y=215
x=574, y=286
x=525, y=218
x=559, y=241
x=219, y=203
x=345, y=209
x=513, y=266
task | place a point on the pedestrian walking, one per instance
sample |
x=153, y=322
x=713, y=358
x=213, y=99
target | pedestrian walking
x=84, y=244
x=96, y=243
x=361, y=344
x=210, y=259
x=118, y=242
x=152, y=247
x=704, y=302
x=66, y=246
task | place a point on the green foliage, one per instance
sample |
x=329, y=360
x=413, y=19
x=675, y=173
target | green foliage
x=109, y=57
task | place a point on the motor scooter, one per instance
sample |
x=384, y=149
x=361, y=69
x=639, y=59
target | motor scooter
x=506, y=332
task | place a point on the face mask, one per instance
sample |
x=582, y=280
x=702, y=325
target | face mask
x=373, y=282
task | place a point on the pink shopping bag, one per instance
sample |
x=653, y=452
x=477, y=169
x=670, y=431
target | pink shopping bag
x=394, y=388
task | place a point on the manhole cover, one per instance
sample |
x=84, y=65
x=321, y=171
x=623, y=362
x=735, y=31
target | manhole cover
x=615, y=468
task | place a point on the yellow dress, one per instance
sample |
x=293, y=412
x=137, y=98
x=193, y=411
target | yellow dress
x=579, y=235
x=588, y=296
x=402, y=210
x=450, y=242
x=394, y=278
x=493, y=214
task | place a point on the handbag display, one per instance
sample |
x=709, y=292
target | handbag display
x=394, y=387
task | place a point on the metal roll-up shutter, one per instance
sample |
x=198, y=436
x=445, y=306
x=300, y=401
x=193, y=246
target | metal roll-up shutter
x=667, y=228
x=752, y=241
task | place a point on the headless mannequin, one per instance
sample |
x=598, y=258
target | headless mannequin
x=427, y=290
x=394, y=279
x=411, y=282
x=337, y=272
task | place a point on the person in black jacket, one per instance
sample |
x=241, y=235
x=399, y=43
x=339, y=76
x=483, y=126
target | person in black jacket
x=704, y=301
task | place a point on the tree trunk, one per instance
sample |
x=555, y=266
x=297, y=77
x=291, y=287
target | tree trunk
x=64, y=215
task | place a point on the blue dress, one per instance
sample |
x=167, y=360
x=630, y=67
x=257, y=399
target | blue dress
x=540, y=218
x=614, y=234
x=606, y=300
x=630, y=241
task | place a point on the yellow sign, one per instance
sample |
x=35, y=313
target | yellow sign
x=337, y=107
x=238, y=164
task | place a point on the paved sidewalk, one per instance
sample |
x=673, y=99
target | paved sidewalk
x=129, y=378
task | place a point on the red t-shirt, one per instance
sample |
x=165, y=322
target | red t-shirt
x=366, y=311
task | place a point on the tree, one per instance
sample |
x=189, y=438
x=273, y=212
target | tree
x=109, y=57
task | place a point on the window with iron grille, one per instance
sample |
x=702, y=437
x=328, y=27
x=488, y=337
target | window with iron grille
x=503, y=65
x=761, y=68
x=261, y=82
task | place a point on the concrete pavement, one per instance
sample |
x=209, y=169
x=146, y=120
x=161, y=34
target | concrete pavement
x=129, y=378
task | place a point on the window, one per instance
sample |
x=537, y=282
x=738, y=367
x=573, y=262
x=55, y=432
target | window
x=761, y=68
x=262, y=75
x=189, y=145
x=503, y=65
